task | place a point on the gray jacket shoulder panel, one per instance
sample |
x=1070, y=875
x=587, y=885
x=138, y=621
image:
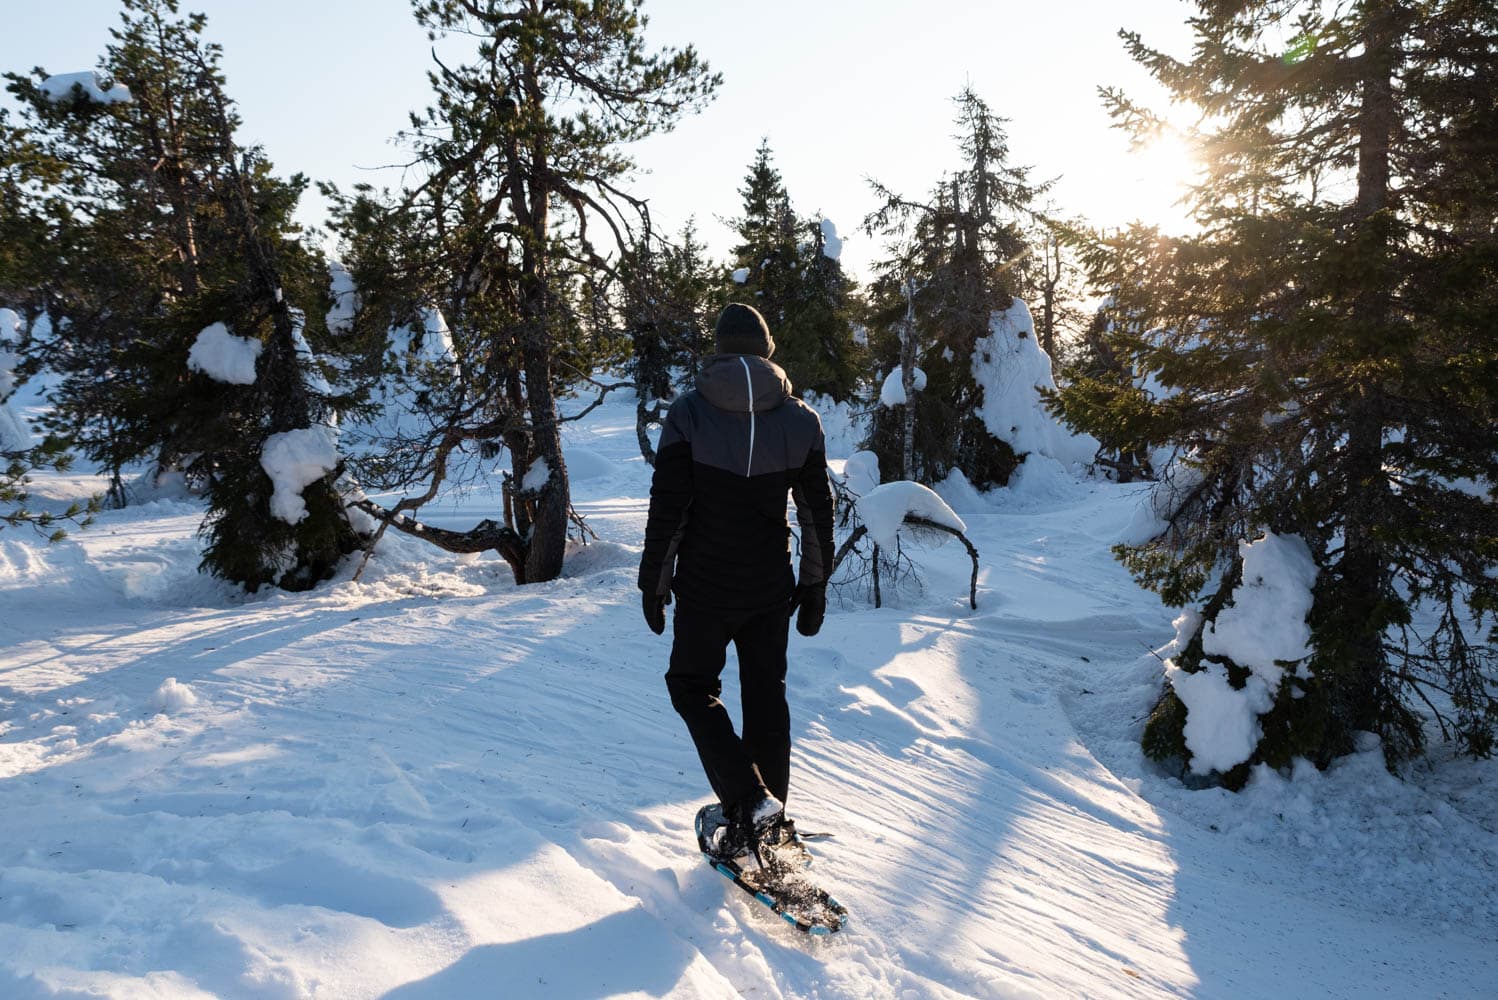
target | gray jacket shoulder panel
x=781, y=437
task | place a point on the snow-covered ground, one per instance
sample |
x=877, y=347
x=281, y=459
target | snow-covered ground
x=431, y=783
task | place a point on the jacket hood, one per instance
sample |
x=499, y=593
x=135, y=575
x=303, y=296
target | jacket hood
x=741, y=383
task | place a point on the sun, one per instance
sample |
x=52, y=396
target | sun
x=1155, y=180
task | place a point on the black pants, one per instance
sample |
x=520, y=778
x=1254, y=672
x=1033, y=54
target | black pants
x=740, y=770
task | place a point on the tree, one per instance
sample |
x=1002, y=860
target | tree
x=1330, y=340
x=520, y=162
x=787, y=267
x=954, y=256
x=162, y=226
x=669, y=296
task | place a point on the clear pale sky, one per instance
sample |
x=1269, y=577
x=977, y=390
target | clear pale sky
x=843, y=90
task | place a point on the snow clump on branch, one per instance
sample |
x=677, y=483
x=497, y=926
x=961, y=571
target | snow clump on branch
x=884, y=509
x=892, y=393
x=1262, y=628
x=224, y=357
x=63, y=86
x=295, y=460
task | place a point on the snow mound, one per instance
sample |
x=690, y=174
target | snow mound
x=63, y=86
x=861, y=473
x=832, y=243
x=584, y=463
x=1012, y=370
x=884, y=509
x=295, y=460
x=1040, y=482
x=1264, y=623
x=224, y=357
x=173, y=696
x=892, y=393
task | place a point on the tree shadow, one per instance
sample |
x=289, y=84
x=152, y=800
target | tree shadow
x=623, y=953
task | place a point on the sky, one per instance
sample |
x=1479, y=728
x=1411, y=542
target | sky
x=844, y=91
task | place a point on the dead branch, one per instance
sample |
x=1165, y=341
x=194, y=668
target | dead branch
x=486, y=536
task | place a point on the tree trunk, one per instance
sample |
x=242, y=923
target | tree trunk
x=1364, y=568
x=547, y=540
x=907, y=382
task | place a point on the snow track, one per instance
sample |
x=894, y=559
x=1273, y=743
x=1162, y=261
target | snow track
x=433, y=784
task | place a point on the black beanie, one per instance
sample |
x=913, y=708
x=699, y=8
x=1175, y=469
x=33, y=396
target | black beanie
x=742, y=330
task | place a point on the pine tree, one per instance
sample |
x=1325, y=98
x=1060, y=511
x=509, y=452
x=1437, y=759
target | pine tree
x=669, y=298
x=163, y=225
x=522, y=165
x=785, y=269
x=959, y=250
x=1331, y=335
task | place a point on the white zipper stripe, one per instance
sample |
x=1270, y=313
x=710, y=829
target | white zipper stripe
x=749, y=385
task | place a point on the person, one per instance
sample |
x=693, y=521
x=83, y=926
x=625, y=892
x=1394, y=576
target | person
x=718, y=538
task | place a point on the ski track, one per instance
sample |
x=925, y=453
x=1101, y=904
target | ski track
x=434, y=784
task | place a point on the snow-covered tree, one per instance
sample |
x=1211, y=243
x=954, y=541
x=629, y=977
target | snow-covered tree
x=1326, y=347
x=171, y=276
x=789, y=268
x=949, y=282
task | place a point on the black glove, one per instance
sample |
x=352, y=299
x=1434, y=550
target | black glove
x=809, y=605
x=655, y=610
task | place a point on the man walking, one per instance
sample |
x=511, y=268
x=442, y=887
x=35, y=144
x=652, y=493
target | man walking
x=717, y=536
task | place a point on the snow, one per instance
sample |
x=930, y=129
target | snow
x=1265, y=620
x=224, y=357
x=1012, y=370
x=884, y=509
x=536, y=476
x=173, y=697
x=311, y=368
x=14, y=434
x=740, y=275
x=1263, y=625
x=844, y=424
x=434, y=783
x=295, y=460
x=585, y=463
x=861, y=473
x=345, y=293
x=437, y=340
x=10, y=336
x=832, y=243
x=61, y=87
x=892, y=392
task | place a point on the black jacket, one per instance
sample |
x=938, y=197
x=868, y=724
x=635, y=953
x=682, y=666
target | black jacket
x=730, y=450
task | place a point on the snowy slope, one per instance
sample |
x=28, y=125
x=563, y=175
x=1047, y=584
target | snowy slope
x=433, y=784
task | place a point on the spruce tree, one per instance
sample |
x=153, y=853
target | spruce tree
x=957, y=256
x=1329, y=345
x=163, y=225
x=784, y=267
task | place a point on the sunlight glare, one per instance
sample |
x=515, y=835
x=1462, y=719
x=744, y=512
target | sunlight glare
x=1155, y=181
